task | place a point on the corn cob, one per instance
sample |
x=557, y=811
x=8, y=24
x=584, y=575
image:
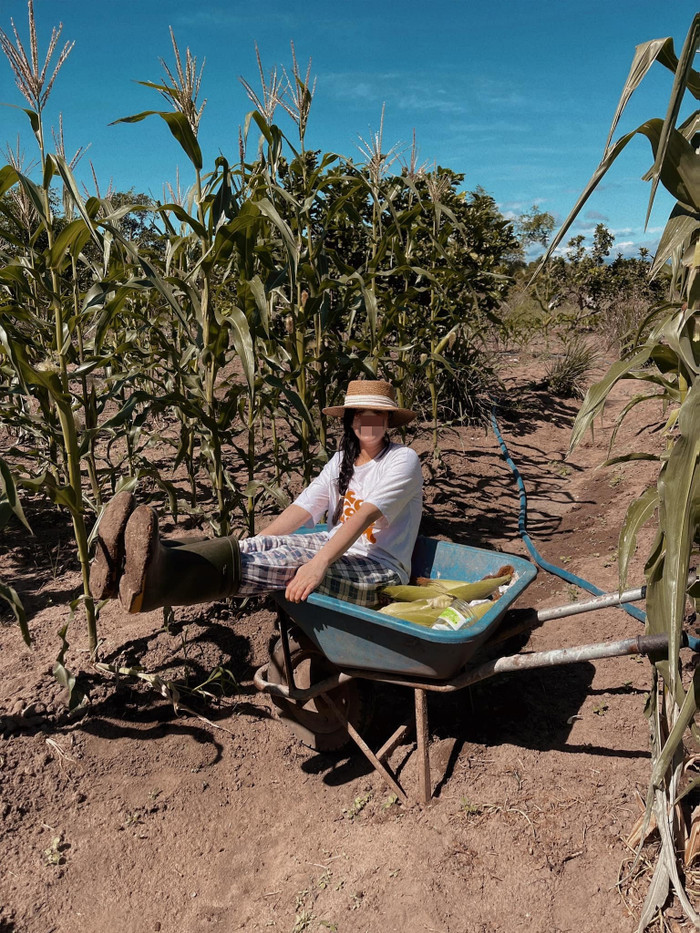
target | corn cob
x=456, y=589
x=426, y=611
x=420, y=611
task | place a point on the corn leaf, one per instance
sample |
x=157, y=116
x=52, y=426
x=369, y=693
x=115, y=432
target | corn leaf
x=178, y=126
x=684, y=78
x=266, y=207
x=678, y=231
x=57, y=493
x=638, y=514
x=183, y=217
x=70, y=183
x=9, y=500
x=644, y=57
x=243, y=341
x=596, y=396
x=9, y=595
x=679, y=503
x=71, y=239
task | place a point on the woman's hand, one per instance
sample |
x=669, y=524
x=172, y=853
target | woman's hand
x=309, y=576
x=306, y=579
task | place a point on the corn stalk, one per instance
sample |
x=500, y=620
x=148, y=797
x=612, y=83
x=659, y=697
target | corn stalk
x=668, y=360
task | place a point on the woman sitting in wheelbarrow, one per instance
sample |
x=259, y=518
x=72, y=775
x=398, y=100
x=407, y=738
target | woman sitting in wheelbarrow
x=371, y=490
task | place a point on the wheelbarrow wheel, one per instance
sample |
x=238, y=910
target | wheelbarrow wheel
x=314, y=722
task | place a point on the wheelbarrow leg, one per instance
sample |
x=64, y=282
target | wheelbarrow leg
x=422, y=745
x=366, y=750
x=283, y=622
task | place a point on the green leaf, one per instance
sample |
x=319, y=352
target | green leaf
x=178, y=126
x=257, y=289
x=685, y=78
x=8, y=493
x=76, y=695
x=678, y=231
x=296, y=400
x=267, y=208
x=72, y=238
x=638, y=514
x=679, y=520
x=59, y=495
x=243, y=341
x=596, y=396
x=8, y=178
x=279, y=495
x=70, y=183
x=679, y=172
x=675, y=738
x=9, y=595
x=183, y=217
x=33, y=119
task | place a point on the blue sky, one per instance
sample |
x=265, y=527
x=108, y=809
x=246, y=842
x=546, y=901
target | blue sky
x=517, y=95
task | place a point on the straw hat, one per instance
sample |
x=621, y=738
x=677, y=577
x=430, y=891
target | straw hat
x=372, y=395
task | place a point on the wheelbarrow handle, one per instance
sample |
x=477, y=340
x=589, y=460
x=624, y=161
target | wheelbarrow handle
x=600, y=602
x=642, y=644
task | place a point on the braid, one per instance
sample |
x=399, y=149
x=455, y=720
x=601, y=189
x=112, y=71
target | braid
x=350, y=448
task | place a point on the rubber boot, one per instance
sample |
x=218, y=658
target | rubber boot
x=106, y=565
x=156, y=574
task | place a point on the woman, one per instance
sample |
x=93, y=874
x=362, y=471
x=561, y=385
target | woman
x=371, y=491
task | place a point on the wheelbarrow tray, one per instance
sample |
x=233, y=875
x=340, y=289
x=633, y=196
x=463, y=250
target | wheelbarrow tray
x=359, y=639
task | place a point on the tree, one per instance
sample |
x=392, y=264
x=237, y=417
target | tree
x=534, y=227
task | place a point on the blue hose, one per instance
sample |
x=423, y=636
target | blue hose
x=693, y=643
x=538, y=559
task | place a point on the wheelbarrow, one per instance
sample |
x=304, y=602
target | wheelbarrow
x=327, y=649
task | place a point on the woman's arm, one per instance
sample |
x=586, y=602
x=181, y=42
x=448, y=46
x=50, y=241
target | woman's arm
x=293, y=518
x=308, y=577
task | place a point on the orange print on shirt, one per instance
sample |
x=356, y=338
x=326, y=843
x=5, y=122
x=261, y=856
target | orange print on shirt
x=351, y=504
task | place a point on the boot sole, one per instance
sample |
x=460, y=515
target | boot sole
x=107, y=563
x=140, y=540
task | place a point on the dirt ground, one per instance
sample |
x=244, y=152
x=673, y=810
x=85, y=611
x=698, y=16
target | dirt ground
x=130, y=817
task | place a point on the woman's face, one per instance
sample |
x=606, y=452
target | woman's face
x=370, y=426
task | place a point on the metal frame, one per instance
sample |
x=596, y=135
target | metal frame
x=642, y=644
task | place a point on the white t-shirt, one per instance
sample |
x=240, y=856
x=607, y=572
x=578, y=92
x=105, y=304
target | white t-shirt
x=393, y=483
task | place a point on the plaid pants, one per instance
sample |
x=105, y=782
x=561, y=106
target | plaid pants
x=268, y=562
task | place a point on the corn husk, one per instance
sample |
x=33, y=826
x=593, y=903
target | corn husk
x=456, y=589
x=420, y=611
x=426, y=611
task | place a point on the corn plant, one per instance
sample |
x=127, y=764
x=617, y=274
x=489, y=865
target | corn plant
x=665, y=360
x=10, y=505
x=63, y=282
x=35, y=292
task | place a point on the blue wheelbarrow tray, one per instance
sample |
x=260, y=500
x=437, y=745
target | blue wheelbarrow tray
x=359, y=639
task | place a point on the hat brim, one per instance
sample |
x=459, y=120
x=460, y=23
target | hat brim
x=397, y=416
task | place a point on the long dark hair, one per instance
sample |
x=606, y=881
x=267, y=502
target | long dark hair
x=350, y=449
